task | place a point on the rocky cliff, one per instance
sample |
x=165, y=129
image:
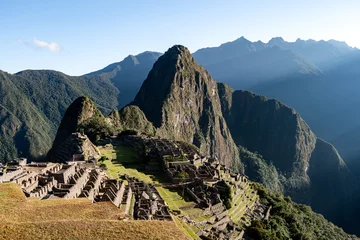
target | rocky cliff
x=298, y=163
x=180, y=98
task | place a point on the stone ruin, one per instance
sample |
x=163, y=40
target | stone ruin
x=75, y=180
x=149, y=205
x=161, y=152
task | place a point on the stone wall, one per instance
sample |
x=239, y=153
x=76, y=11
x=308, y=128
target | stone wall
x=44, y=190
x=76, y=189
x=8, y=176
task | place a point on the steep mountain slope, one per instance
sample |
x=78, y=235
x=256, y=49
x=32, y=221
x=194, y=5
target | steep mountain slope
x=291, y=221
x=33, y=102
x=129, y=74
x=23, y=129
x=173, y=96
x=326, y=102
x=79, y=114
x=308, y=169
x=180, y=98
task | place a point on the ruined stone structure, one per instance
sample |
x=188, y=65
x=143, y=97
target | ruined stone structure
x=73, y=185
x=164, y=151
x=148, y=203
x=92, y=186
x=9, y=175
x=116, y=192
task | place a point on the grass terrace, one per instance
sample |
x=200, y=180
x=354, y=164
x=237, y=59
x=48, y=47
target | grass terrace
x=25, y=218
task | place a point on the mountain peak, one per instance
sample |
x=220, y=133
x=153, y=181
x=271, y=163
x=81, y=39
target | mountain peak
x=178, y=50
x=180, y=98
x=131, y=60
x=242, y=38
x=276, y=40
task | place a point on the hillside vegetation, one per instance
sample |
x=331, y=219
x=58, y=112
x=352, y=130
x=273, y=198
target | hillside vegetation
x=32, y=104
x=289, y=220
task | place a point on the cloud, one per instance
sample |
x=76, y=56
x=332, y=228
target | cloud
x=38, y=44
x=52, y=46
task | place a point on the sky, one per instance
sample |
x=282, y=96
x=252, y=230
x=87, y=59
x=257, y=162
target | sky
x=77, y=37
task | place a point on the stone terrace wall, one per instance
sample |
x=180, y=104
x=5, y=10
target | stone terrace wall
x=76, y=189
x=10, y=175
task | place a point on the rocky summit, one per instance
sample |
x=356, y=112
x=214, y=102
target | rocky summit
x=180, y=98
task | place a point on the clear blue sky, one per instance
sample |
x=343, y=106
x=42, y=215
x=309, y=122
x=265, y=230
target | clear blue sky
x=77, y=37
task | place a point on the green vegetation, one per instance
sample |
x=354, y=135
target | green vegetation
x=226, y=193
x=132, y=118
x=191, y=114
x=258, y=170
x=183, y=175
x=122, y=155
x=33, y=102
x=291, y=221
x=96, y=128
x=186, y=228
x=239, y=202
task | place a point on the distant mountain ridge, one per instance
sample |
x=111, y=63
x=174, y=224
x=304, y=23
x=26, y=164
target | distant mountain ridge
x=128, y=75
x=317, y=78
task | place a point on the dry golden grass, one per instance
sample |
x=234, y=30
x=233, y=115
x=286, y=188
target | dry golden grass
x=22, y=218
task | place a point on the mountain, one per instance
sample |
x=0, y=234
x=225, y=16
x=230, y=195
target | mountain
x=182, y=101
x=306, y=168
x=322, y=53
x=33, y=102
x=326, y=102
x=317, y=78
x=227, y=51
x=247, y=132
x=129, y=74
x=180, y=98
x=274, y=64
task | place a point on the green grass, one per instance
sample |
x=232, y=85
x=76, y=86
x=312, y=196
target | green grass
x=239, y=207
x=126, y=164
x=201, y=218
x=173, y=199
x=124, y=156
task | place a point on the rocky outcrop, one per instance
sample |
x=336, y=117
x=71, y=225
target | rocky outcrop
x=75, y=144
x=81, y=116
x=180, y=98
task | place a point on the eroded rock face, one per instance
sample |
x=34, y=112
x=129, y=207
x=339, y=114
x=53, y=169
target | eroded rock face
x=180, y=98
x=269, y=127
